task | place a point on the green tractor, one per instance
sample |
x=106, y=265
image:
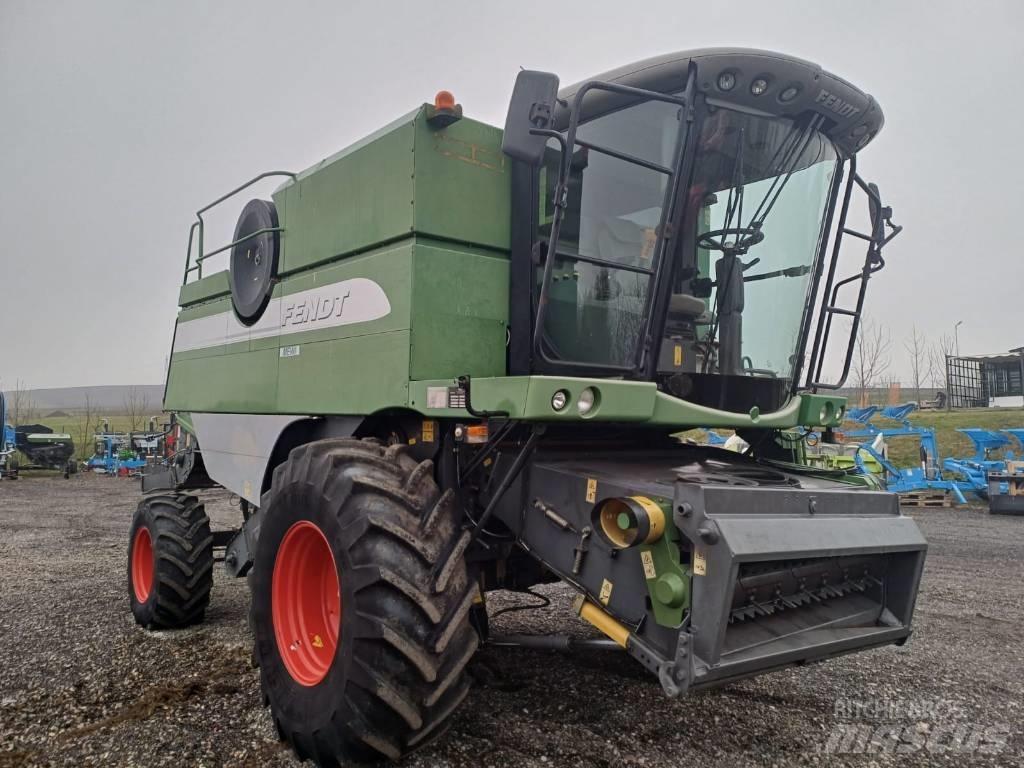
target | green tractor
x=455, y=358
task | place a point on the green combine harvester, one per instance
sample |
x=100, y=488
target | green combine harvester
x=452, y=359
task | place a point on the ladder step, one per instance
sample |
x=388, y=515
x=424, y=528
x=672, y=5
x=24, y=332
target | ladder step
x=841, y=311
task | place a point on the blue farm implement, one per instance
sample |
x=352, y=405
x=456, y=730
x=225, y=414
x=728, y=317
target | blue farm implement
x=975, y=469
x=926, y=476
x=114, y=454
x=8, y=464
x=127, y=453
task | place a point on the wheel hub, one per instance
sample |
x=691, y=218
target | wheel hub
x=143, y=564
x=306, y=603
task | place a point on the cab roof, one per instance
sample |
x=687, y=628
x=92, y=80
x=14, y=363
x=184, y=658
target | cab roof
x=725, y=75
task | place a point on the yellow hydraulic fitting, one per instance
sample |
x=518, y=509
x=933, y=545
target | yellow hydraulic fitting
x=592, y=613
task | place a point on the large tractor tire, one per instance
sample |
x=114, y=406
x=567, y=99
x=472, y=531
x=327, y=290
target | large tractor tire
x=360, y=602
x=170, y=562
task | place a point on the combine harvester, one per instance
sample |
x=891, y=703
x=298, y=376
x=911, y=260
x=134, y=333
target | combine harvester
x=451, y=359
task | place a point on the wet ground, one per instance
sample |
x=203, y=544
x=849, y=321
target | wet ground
x=82, y=685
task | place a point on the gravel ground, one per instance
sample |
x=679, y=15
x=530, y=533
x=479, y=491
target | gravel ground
x=80, y=684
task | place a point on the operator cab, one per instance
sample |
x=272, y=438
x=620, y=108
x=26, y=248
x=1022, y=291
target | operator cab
x=671, y=218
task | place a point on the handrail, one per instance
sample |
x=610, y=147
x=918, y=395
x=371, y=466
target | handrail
x=201, y=224
x=205, y=256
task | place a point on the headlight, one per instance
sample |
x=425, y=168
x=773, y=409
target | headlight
x=726, y=81
x=826, y=414
x=759, y=86
x=559, y=400
x=588, y=397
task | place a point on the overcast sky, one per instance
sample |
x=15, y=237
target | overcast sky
x=119, y=119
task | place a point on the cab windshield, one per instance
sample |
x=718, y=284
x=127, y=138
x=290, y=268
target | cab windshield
x=740, y=267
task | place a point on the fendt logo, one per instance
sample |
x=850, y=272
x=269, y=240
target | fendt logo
x=837, y=105
x=313, y=308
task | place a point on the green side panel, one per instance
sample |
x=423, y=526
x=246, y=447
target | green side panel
x=185, y=420
x=448, y=315
x=211, y=307
x=357, y=375
x=452, y=183
x=462, y=183
x=209, y=287
x=668, y=580
x=529, y=398
x=459, y=312
x=351, y=201
x=240, y=382
x=390, y=267
x=326, y=375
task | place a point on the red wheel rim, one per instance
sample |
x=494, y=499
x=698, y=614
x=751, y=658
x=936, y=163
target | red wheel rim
x=143, y=564
x=306, y=603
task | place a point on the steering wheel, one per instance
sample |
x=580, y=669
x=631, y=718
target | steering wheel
x=745, y=237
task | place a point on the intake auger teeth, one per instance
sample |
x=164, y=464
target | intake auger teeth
x=798, y=600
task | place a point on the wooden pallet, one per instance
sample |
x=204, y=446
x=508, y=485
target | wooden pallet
x=931, y=499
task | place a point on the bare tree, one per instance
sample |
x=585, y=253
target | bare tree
x=86, y=427
x=21, y=406
x=136, y=406
x=871, y=357
x=937, y=354
x=917, y=349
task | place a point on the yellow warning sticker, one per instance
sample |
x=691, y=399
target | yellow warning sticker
x=677, y=355
x=318, y=641
x=648, y=560
x=700, y=563
x=428, y=431
x=591, y=490
x=606, y=592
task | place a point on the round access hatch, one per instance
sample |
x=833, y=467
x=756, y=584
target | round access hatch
x=254, y=260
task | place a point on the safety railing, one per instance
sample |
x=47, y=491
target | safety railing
x=199, y=225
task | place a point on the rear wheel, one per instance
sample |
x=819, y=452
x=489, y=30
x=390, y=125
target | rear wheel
x=170, y=562
x=360, y=602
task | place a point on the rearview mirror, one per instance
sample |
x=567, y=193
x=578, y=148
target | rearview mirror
x=532, y=107
x=876, y=212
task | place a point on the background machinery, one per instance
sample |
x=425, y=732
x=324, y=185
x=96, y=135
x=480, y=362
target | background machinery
x=8, y=461
x=451, y=359
x=1006, y=482
x=122, y=453
x=870, y=451
x=44, y=448
x=40, y=445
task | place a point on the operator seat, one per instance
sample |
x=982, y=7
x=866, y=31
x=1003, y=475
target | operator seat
x=691, y=309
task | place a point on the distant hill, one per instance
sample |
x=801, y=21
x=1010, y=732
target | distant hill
x=106, y=397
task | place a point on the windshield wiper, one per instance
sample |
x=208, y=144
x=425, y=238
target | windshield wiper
x=746, y=237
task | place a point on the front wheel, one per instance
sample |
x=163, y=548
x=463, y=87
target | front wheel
x=360, y=602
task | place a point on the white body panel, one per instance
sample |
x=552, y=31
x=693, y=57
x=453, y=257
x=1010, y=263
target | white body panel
x=236, y=448
x=358, y=300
